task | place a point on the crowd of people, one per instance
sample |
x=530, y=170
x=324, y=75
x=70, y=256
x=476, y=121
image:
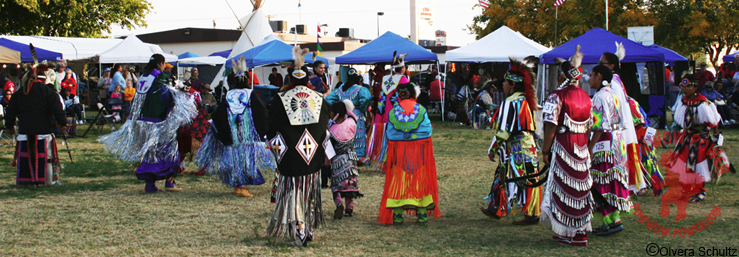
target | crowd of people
x=597, y=151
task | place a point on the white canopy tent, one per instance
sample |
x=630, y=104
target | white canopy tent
x=133, y=50
x=71, y=48
x=497, y=47
x=255, y=29
x=8, y=55
x=203, y=60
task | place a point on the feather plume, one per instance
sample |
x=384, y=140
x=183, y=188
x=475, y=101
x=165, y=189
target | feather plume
x=528, y=81
x=402, y=56
x=349, y=105
x=620, y=51
x=577, y=58
x=531, y=60
x=395, y=53
x=298, y=56
x=314, y=56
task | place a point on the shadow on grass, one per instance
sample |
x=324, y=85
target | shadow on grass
x=26, y=192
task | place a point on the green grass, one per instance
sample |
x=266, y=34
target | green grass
x=101, y=210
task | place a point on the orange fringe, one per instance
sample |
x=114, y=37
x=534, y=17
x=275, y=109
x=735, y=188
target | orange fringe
x=410, y=173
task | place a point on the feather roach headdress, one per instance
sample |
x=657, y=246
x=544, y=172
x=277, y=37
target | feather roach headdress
x=520, y=72
x=238, y=78
x=398, y=60
x=299, y=72
x=571, y=69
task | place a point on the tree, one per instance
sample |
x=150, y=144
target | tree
x=682, y=25
x=70, y=18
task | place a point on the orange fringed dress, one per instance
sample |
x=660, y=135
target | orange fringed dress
x=410, y=169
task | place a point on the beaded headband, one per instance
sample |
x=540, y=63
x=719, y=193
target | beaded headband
x=513, y=77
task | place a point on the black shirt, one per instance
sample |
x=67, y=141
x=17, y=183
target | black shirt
x=36, y=112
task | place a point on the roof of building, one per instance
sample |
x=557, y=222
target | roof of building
x=190, y=35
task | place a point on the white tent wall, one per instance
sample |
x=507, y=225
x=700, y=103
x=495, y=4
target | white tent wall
x=255, y=29
x=8, y=55
x=133, y=50
x=71, y=48
x=497, y=47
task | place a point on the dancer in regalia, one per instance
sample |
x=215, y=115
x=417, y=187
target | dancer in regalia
x=37, y=108
x=298, y=119
x=149, y=136
x=377, y=142
x=514, y=143
x=344, y=172
x=567, y=203
x=610, y=179
x=410, y=170
x=636, y=178
x=649, y=162
x=696, y=157
x=360, y=96
x=234, y=148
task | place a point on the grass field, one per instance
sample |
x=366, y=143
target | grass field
x=101, y=209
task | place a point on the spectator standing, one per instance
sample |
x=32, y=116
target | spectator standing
x=68, y=82
x=194, y=80
x=170, y=76
x=6, y=98
x=319, y=81
x=60, y=75
x=118, y=79
x=275, y=78
x=704, y=75
x=128, y=95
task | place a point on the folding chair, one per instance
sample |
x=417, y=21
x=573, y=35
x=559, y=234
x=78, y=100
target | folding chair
x=100, y=121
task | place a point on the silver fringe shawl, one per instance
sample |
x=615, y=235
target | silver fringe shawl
x=145, y=141
x=246, y=157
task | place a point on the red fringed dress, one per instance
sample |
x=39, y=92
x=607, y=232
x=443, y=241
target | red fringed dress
x=514, y=126
x=567, y=203
x=696, y=153
x=410, y=170
x=376, y=142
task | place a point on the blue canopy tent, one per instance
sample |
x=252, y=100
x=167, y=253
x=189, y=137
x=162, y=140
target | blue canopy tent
x=381, y=50
x=25, y=50
x=729, y=57
x=223, y=53
x=274, y=51
x=187, y=55
x=641, y=64
x=670, y=56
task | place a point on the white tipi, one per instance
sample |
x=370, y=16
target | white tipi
x=255, y=27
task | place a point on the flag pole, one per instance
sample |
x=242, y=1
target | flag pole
x=606, y=15
x=556, y=21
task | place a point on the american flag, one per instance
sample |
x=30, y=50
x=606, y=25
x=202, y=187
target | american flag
x=484, y=3
x=559, y=2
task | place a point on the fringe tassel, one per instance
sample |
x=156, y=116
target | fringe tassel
x=297, y=208
x=410, y=174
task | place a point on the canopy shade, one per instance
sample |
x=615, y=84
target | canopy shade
x=8, y=55
x=598, y=41
x=25, y=51
x=271, y=52
x=133, y=50
x=670, y=56
x=497, y=47
x=223, y=54
x=205, y=60
x=381, y=50
x=71, y=48
x=729, y=57
x=187, y=55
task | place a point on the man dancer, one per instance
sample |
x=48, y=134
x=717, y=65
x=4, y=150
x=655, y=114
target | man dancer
x=37, y=108
x=566, y=206
x=298, y=122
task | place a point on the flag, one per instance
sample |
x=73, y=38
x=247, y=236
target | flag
x=559, y=2
x=484, y=3
x=298, y=3
x=318, y=41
